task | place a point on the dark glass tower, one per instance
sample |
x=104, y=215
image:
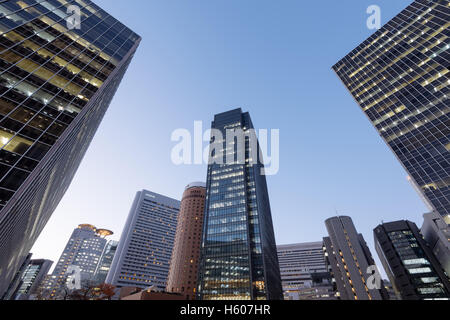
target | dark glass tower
x=56, y=84
x=239, y=255
x=413, y=270
x=400, y=78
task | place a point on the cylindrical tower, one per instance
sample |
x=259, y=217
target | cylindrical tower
x=186, y=250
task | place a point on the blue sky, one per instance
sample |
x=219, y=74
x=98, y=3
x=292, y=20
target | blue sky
x=271, y=58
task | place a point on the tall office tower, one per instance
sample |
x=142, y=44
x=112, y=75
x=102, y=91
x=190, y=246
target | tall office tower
x=239, y=255
x=57, y=79
x=183, y=270
x=436, y=232
x=410, y=264
x=34, y=274
x=15, y=283
x=145, y=247
x=82, y=253
x=351, y=262
x=300, y=266
x=105, y=262
x=400, y=78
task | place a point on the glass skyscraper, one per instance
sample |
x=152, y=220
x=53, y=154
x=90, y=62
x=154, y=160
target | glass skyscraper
x=400, y=78
x=56, y=83
x=239, y=255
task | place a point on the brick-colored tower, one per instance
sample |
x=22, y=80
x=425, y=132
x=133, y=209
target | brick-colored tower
x=186, y=250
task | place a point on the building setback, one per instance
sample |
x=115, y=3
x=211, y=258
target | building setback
x=238, y=254
x=183, y=271
x=301, y=265
x=145, y=247
x=83, y=251
x=349, y=258
x=436, y=232
x=400, y=78
x=412, y=269
x=56, y=84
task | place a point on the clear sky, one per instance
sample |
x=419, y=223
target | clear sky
x=271, y=58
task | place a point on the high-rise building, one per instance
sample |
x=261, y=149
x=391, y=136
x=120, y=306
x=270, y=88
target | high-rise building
x=351, y=262
x=32, y=278
x=15, y=283
x=239, y=255
x=436, y=232
x=105, y=262
x=145, y=247
x=301, y=265
x=183, y=271
x=81, y=255
x=412, y=269
x=57, y=79
x=400, y=78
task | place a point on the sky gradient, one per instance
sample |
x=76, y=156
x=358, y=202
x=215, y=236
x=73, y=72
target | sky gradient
x=270, y=58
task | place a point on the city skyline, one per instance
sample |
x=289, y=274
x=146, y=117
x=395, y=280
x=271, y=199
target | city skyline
x=321, y=195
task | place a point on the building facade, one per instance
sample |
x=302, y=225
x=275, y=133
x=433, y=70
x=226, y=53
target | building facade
x=105, y=261
x=56, y=83
x=32, y=278
x=183, y=271
x=15, y=283
x=145, y=247
x=400, y=78
x=81, y=256
x=412, y=269
x=304, y=273
x=436, y=232
x=351, y=262
x=238, y=255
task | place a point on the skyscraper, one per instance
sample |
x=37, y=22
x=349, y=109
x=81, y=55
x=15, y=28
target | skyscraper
x=400, y=78
x=186, y=250
x=57, y=80
x=351, y=262
x=105, y=262
x=145, y=247
x=413, y=270
x=32, y=278
x=300, y=265
x=436, y=232
x=83, y=251
x=239, y=254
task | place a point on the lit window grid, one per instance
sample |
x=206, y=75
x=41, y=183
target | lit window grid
x=443, y=117
x=37, y=113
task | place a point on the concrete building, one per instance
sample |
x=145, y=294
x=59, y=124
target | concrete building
x=412, y=269
x=56, y=85
x=436, y=231
x=400, y=78
x=351, y=262
x=145, y=247
x=185, y=261
x=304, y=274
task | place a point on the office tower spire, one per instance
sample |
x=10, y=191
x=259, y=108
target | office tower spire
x=239, y=254
x=400, y=78
x=56, y=84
